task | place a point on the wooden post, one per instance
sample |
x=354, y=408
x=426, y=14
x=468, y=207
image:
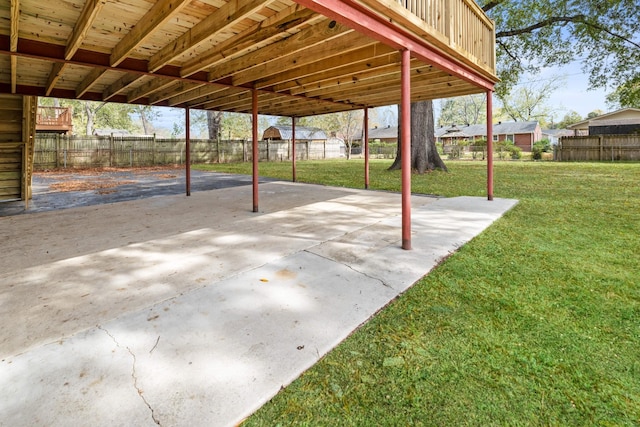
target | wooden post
x=405, y=148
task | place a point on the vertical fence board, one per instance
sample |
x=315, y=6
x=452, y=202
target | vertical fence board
x=599, y=148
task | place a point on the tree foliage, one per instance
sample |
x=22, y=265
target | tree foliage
x=603, y=35
x=463, y=110
x=529, y=102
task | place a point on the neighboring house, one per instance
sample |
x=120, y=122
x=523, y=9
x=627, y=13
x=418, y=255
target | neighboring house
x=285, y=133
x=522, y=134
x=324, y=147
x=554, y=135
x=387, y=134
x=621, y=122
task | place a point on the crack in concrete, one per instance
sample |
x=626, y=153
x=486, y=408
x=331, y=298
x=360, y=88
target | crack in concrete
x=382, y=282
x=133, y=374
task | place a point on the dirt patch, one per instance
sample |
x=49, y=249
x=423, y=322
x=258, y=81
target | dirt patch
x=75, y=185
x=106, y=170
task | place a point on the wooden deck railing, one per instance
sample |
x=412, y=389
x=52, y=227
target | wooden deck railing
x=458, y=27
x=54, y=119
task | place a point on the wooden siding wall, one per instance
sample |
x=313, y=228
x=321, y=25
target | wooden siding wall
x=598, y=148
x=17, y=128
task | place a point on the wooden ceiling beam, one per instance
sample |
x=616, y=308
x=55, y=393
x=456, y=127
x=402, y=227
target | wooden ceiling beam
x=305, y=39
x=119, y=85
x=298, y=86
x=218, y=22
x=368, y=82
x=89, y=81
x=344, y=42
x=327, y=65
x=379, y=87
x=160, y=13
x=13, y=42
x=195, y=95
x=82, y=26
x=169, y=91
x=54, y=76
x=148, y=88
x=284, y=23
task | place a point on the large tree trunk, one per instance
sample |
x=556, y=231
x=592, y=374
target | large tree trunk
x=424, y=155
x=214, y=120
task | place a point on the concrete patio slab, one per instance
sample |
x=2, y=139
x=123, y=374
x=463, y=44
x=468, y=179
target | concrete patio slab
x=195, y=311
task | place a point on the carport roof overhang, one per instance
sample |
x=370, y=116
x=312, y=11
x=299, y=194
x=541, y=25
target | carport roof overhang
x=303, y=58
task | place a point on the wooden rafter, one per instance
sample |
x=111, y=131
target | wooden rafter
x=282, y=24
x=154, y=18
x=197, y=93
x=54, y=76
x=89, y=81
x=148, y=88
x=119, y=85
x=345, y=41
x=305, y=39
x=218, y=22
x=292, y=76
x=13, y=42
x=88, y=15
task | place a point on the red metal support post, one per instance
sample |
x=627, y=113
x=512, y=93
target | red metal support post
x=366, y=147
x=254, y=147
x=489, y=145
x=293, y=148
x=187, y=149
x=405, y=148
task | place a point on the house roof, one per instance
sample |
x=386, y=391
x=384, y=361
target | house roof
x=301, y=57
x=388, y=132
x=500, y=128
x=624, y=114
x=302, y=132
x=557, y=132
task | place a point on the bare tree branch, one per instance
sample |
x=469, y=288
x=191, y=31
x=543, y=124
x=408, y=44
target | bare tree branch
x=487, y=7
x=563, y=20
x=547, y=22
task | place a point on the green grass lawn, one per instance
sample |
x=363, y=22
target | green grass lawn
x=534, y=322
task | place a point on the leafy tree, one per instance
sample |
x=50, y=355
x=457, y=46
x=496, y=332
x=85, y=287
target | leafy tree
x=529, y=102
x=530, y=35
x=463, y=110
x=595, y=113
x=570, y=118
x=626, y=95
x=147, y=114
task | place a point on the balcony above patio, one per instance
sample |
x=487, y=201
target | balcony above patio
x=303, y=57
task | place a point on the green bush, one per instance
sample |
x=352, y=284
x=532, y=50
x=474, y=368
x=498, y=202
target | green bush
x=515, y=152
x=539, y=147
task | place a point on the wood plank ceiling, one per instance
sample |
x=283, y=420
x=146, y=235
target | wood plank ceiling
x=208, y=54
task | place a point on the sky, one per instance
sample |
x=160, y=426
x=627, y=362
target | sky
x=574, y=93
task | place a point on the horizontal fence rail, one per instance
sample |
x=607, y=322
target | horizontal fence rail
x=54, y=151
x=598, y=148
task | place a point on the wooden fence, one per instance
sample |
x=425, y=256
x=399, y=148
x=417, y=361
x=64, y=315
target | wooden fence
x=598, y=148
x=59, y=151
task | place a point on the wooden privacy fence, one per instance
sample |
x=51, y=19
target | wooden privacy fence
x=59, y=151
x=598, y=148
